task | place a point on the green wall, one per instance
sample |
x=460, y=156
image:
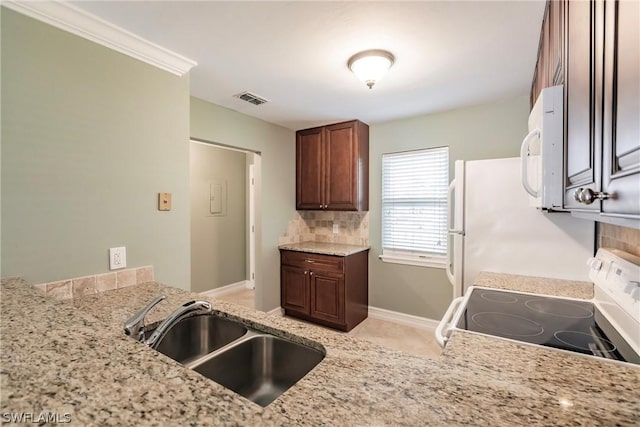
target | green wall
x=89, y=137
x=218, y=249
x=275, y=188
x=488, y=131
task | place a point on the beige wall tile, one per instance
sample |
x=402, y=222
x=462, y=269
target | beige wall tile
x=144, y=274
x=61, y=289
x=126, y=278
x=318, y=226
x=616, y=237
x=106, y=282
x=83, y=286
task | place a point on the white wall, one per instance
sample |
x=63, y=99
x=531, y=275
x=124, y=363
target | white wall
x=276, y=185
x=89, y=137
x=218, y=255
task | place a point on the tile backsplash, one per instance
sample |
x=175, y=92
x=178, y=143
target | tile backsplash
x=317, y=226
x=623, y=238
x=88, y=285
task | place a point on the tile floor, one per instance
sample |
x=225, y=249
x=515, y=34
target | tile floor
x=418, y=342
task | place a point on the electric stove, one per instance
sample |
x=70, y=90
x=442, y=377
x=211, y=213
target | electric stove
x=607, y=326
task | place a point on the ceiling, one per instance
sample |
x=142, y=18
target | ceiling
x=448, y=54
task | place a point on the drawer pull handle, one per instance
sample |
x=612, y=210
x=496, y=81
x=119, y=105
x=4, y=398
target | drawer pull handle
x=310, y=261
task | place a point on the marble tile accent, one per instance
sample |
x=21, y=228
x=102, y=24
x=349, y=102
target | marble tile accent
x=83, y=286
x=61, y=289
x=78, y=287
x=144, y=274
x=106, y=282
x=616, y=237
x=126, y=278
x=318, y=226
x=537, y=285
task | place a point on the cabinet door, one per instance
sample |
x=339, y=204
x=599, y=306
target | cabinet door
x=621, y=129
x=583, y=120
x=556, y=42
x=341, y=166
x=327, y=296
x=309, y=169
x=294, y=289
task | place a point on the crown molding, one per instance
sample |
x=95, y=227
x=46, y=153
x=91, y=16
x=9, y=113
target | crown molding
x=74, y=20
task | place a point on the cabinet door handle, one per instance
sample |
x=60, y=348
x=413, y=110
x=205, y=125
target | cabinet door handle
x=320, y=206
x=311, y=274
x=305, y=272
x=325, y=206
x=588, y=196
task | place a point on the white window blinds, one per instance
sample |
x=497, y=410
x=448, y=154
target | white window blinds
x=414, y=202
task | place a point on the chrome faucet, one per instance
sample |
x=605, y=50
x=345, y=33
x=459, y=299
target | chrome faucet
x=188, y=309
x=134, y=327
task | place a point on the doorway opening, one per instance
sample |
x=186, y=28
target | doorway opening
x=224, y=192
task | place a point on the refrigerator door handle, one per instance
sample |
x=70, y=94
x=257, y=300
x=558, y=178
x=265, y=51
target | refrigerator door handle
x=524, y=151
x=450, y=213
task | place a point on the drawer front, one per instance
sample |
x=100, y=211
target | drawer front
x=313, y=261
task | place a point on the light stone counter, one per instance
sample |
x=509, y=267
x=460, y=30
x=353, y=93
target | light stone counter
x=324, y=248
x=536, y=285
x=71, y=357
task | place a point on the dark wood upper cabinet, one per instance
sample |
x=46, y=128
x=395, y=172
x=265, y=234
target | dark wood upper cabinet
x=583, y=95
x=592, y=47
x=621, y=115
x=309, y=172
x=549, y=70
x=332, y=167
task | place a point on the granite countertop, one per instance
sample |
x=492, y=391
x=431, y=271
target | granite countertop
x=71, y=357
x=536, y=285
x=324, y=248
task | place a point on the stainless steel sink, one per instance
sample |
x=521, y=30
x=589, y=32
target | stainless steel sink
x=260, y=367
x=254, y=364
x=194, y=337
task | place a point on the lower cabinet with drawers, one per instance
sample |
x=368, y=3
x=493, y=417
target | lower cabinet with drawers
x=325, y=289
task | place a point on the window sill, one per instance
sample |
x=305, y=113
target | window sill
x=432, y=262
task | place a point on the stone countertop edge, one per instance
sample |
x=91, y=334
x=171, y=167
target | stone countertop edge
x=324, y=248
x=537, y=285
x=72, y=357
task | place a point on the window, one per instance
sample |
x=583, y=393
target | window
x=414, y=207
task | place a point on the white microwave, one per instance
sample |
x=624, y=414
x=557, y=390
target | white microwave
x=541, y=152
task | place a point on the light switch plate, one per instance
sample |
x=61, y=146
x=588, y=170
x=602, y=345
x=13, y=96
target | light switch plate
x=164, y=201
x=117, y=258
x=336, y=228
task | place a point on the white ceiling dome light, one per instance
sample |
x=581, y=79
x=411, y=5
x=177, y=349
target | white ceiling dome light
x=370, y=65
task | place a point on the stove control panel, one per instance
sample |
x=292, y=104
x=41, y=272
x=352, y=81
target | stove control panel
x=616, y=276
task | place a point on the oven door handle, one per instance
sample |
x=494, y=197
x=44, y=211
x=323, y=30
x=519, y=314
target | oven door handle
x=444, y=323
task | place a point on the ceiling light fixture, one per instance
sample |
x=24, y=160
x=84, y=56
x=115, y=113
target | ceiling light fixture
x=370, y=65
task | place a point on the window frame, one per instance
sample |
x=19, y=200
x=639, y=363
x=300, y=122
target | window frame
x=413, y=257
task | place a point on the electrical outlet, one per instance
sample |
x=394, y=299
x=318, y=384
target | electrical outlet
x=117, y=258
x=336, y=228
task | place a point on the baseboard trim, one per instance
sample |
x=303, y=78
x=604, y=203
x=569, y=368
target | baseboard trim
x=389, y=316
x=224, y=290
x=402, y=318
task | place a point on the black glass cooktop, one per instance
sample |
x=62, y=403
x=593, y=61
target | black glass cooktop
x=565, y=324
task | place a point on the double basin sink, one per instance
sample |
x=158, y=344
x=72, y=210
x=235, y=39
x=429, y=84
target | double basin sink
x=256, y=365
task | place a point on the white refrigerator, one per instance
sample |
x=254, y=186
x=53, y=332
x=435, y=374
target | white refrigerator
x=492, y=227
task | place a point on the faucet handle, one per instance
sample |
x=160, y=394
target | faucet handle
x=134, y=326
